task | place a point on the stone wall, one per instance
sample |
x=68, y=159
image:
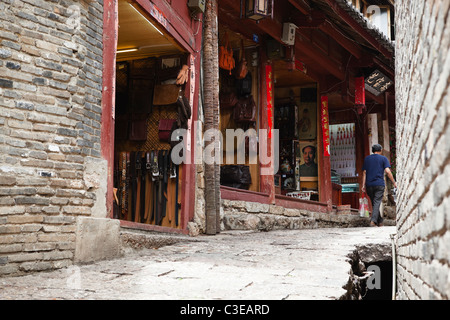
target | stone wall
x=244, y=215
x=423, y=149
x=51, y=171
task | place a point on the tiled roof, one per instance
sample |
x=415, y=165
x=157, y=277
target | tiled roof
x=366, y=24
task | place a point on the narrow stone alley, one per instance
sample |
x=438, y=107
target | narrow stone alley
x=233, y=265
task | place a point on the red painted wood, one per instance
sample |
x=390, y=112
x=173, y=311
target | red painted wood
x=175, y=24
x=108, y=94
x=267, y=183
x=305, y=49
x=294, y=203
x=349, y=45
x=244, y=195
x=151, y=227
x=325, y=187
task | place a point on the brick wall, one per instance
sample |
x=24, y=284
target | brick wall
x=50, y=111
x=423, y=159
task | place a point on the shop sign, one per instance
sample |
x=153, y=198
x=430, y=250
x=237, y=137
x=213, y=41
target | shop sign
x=159, y=16
x=377, y=83
x=269, y=92
x=325, y=125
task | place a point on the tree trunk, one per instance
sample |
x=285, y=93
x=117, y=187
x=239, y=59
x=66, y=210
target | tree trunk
x=216, y=111
x=210, y=86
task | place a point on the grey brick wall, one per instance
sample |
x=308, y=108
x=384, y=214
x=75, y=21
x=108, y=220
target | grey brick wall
x=423, y=142
x=50, y=111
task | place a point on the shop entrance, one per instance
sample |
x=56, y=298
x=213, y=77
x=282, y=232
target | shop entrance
x=149, y=104
x=296, y=116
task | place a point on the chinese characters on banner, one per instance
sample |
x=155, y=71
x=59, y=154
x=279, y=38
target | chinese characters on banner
x=269, y=92
x=325, y=125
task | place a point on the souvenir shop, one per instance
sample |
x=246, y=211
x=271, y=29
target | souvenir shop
x=299, y=116
x=295, y=114
x=153, y=99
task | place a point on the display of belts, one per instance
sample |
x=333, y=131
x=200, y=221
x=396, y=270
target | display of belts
x=296, y=118
x=150, y=105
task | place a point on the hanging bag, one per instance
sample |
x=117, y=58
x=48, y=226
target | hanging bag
x=226, y=60
x=245, y=110
x=227, y=100
x=244, y=86
x=165, y=94
x=242, y=70
x=165, y=129
x=363, y=206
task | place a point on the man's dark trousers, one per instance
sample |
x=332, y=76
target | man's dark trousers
x=375, y=194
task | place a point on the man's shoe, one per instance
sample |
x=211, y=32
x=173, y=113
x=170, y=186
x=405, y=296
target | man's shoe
x=380, y=224
x=372, y=224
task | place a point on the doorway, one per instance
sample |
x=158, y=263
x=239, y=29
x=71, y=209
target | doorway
x=148, y=185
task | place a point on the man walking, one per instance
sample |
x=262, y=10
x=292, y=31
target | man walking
x=374, y=168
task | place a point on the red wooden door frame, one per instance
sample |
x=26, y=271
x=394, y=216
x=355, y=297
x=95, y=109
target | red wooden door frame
x=192, y=44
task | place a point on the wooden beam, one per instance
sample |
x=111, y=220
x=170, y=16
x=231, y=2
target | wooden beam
x=305, y=49
x=182, y=33
x=301, y=5
x=346, y=43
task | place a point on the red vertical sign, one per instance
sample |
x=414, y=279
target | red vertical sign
x=325, y=125
x=360, y=91
x=269, y=91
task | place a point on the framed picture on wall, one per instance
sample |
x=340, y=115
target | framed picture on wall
x=308, y=159
x=307, y=120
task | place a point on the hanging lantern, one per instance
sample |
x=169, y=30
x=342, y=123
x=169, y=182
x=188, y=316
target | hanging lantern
x=257, y=9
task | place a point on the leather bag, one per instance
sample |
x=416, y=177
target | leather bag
x=138, y=127
x=245, y=110
x=242, y=70
x=227, y=100
x=165, y=94
x=165, y=129
x=235, y=173
x=226, y=60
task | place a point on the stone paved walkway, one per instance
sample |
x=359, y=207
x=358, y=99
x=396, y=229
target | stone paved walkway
x=275, y=265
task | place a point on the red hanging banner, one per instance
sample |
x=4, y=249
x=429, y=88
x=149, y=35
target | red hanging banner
x=325, y=125
x=360, y=94
x=269, y=93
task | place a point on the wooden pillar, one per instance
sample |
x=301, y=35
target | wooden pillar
x=110, y=34
x=267, y=184
x=325, y=187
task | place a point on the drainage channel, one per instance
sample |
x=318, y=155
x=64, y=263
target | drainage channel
x=371, y=275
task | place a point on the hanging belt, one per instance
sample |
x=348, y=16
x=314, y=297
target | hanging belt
x=137, y=196
x=142, y=195
x=133, y=184
x=124, y=163
x=148, y=187
x=158, y=219
x=165, y=181
x=155, y=178
x=116, y=185
x=177, y=172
